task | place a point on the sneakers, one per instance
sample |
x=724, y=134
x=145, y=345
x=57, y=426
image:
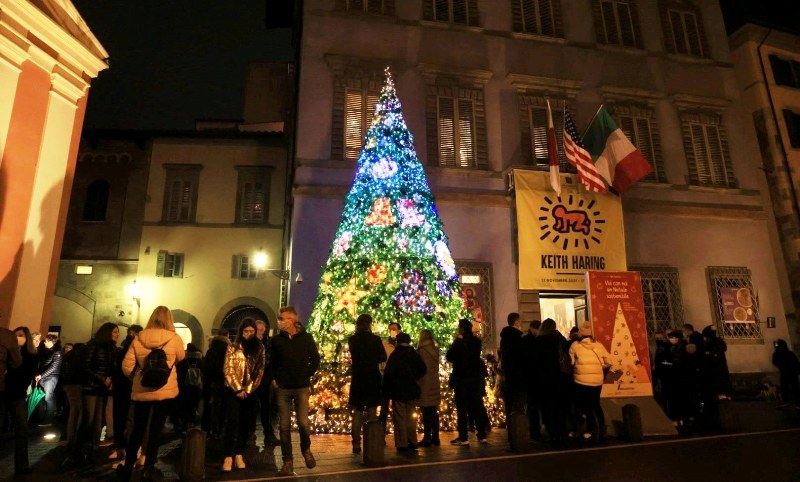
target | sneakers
x=227, y=464
x=458, y=441
x=309, y=458
x=483, y=441
x=288, y=468
x=117, y=454
x=238, y=461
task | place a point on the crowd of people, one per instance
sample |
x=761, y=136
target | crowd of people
x=122, y=394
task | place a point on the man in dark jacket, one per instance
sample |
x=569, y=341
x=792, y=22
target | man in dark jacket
x=367, y=353
x=264, y=391
x=531, y=383
x=512, y=388
x=403, y=369
x=468, y=381
x=49, y=370
x=294, y=359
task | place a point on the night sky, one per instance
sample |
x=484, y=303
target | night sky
x=175, y=61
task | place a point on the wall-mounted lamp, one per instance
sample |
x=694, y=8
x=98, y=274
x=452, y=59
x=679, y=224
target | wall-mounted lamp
x=260, y=260
x=298, y=279
x=136, y=293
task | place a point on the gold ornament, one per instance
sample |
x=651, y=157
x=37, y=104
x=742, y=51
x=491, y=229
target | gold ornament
x=347, y=298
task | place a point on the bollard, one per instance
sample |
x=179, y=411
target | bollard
x=518, y=432
x=374, y=438
x=632, y=421
x=193, y=455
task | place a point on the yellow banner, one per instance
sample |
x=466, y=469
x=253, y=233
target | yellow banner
x=561, y=238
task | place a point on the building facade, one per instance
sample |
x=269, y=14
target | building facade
x=48, y=57
x=474, y=77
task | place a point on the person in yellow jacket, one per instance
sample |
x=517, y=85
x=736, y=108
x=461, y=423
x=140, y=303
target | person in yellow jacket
x=589, y=359
x=150, y=403
x=243, y=369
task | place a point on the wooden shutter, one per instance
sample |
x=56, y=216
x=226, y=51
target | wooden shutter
x=174, y=201
x=644, y=141
x=441, y=10
x=161, y=260
x=472, y=13
x=538, y=119
x=700, y=154
x=460, y=12
x=715, y=156
x=186, y=201
x=678, y=33
x=546, y=18
x=466, y=134
x=519, y=14
x=447, y=131
x=235, y=266
x=610, y=23
x=353, y=128
x=692, y=34
x=625, y=25
x=177, y=267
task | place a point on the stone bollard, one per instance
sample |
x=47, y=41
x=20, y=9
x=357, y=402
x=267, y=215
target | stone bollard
x=518, y=432
x=632, y=421
x=193, y=455
x=374, y=438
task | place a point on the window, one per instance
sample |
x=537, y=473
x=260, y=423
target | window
x=384, y=7
x=359, y=105
x=180, y=193
x=706, y=148
x=661, y=292
x=792, y=126
x=727, y=282
x=639, y=125
x=464, y=12
x=456, y=126
x=533, y=118
x=243, y=268
x=541, y=17
x=169, y=265
x=683, y=28
x=96, y=204
x=617, y=23
x=252, y=198
x=785, y=72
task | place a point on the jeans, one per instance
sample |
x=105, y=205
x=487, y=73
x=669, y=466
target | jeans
x=265, y=408
x=75, y=401
x=47, y=410
x=93, y=408
x=150, y=417
x=240, y=412
x=294, y=399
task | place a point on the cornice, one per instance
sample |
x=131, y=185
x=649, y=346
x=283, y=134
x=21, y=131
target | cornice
x=431, y=71
x=689, y=101
x=693, y=209
x=545, y=85
x=611, y=93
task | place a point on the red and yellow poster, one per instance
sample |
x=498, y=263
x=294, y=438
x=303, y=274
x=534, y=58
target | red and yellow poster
x=617, y=312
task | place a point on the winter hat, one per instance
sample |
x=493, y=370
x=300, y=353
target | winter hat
x=403, y=339
x=585, y=329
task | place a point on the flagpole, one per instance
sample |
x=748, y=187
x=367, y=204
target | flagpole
x=593, y=118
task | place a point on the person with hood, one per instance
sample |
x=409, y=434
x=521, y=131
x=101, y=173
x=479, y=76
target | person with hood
x=121, y=389
x=213, y=384
x=244, y=366
x=549, y=350
x=511, y=367
x=403, y=368
x=789, y=367
x=150, y=403
x=49, y=371
x=190, y=387
x=295, y=359
x=18, y=379
x=367, y=353
x=430, y=394
x=589, y=359
x=468, y=381
x=98, y=367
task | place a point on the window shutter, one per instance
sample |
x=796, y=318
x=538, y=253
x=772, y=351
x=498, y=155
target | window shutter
x=539, y=136
x=678, y=32
x=716, y=157
x=235, y=266
x=441, y=10
x=354, y=115
x=177, y=268
x=599, y=23
x=160, y=262
x=610, y=23
x=546, y=20
x=519, y=14
x=258, y=202
x=447, y=141
x=460, y=14
x=644, y=142
x=635, y=25
x=466, y=134
x=388, y=7
x=186, y=201
x=472, y=13
x=692, y=34
x=625, y=25
x=173, y=212
x=700, y=154
x=666, y=28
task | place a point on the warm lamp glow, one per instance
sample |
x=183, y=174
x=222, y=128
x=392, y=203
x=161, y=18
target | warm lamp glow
x=260, y=260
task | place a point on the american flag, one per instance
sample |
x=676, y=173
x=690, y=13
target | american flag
x=578, y=156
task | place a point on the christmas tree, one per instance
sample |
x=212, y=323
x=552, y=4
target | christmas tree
x=389, y=258
x=625, y=362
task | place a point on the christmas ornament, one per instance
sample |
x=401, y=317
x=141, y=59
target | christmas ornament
x=347, y=298
x=381, y=214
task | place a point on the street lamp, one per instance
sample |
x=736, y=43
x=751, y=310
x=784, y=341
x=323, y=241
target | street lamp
x=260, y=260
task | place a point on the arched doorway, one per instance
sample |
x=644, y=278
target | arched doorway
x=235, y=316
x=189, y=329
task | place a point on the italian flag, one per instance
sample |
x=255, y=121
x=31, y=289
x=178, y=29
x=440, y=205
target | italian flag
x=618, y=161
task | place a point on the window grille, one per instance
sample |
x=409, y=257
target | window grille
x=169, y=265
x=661, y=293
x=733, y=277
x=541, y=17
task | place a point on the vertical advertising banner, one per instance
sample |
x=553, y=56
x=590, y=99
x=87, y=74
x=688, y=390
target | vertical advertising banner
x=618, y=322
x=562, y=237
x=737, y=305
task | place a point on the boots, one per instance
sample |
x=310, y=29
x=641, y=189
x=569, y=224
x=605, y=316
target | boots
x=227, y=464
x=288, y=467
x=239, y=462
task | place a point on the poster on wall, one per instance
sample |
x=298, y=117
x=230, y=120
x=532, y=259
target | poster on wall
x=737, y=305
x=618, y=322
x=560, y=238
x=472, y=294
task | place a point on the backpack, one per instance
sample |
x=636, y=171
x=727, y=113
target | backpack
x=155, y=370
x=194, y=377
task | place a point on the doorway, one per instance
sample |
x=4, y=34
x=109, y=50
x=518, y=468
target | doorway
x=568, y=309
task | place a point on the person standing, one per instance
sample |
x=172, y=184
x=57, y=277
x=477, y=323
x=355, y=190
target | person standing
x=403, y=369
x=512, y=390
x=264, y=391
x=533, y=398
x=190, y=387
x=552, y=382
x=789, y=367
x=150, y=404
x=468, y=382
x=49, y=371
x=430, y=391
x=121, y=392
x=98, y=367
x=715, y=382
x=388, y=346
x=72, y=378
x=367, y=353
x=18, y=379
x=214, y=384
x=244, y=368
x=295, y=359
x=589, y=359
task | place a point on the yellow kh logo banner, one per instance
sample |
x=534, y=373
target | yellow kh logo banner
x=561, y=238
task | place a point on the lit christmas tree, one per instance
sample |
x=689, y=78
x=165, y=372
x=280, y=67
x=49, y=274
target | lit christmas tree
x=390, y=259
x=625, y=362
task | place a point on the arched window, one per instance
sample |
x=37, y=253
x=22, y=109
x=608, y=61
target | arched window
x=94, y=208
